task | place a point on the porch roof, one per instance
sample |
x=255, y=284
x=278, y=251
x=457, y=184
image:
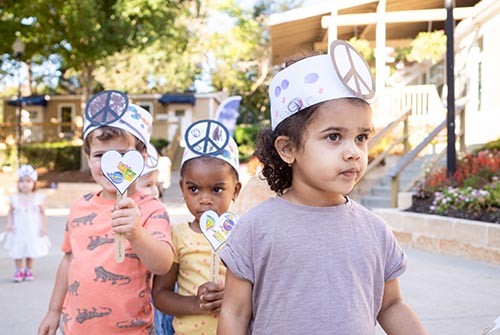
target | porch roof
x=37, y=100
x=301, y=29
x=177, y=99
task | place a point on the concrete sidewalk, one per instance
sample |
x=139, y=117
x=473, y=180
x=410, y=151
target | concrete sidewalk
x=451, y=295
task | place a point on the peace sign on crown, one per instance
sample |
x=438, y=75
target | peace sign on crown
x=112, y=108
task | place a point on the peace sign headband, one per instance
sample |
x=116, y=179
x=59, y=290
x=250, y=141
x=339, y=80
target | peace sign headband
x=209, y=138
x=112, y=108
x=341, y=74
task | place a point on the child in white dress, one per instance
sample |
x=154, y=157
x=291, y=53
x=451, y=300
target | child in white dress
x=26, y=225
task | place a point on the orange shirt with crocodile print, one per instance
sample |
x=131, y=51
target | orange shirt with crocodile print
x=106, y=297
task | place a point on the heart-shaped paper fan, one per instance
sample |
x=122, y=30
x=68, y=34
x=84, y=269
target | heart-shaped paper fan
x=122, y=170
x=217, y=228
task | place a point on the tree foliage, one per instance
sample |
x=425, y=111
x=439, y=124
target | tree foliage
x=242, y=55
x=85, y=33
x=428, y=47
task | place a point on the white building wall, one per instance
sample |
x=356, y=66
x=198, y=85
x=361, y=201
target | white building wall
x=483, y=109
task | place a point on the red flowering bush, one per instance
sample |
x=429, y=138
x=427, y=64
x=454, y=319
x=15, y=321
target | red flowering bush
x=472, y=193
x=474, y=170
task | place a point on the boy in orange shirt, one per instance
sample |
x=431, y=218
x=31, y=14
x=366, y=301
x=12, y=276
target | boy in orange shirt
x=93, y=294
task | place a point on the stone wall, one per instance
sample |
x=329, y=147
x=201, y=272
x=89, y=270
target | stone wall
x=451, y=236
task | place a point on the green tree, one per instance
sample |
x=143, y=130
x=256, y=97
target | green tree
x=85, y=33
x=242, y=55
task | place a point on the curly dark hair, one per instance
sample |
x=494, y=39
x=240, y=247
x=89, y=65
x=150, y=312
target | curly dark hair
x=109, y=133
x=277, y=172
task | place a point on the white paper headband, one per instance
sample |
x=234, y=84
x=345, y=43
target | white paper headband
x=341, y=74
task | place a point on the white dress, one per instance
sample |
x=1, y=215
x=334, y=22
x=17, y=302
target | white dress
x=25, y=240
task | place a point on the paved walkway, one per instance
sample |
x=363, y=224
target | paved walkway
x=451, y=295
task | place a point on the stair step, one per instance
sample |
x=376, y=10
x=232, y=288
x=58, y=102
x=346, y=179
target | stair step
x=376, y=202
x=379, y=195
x=381, y=190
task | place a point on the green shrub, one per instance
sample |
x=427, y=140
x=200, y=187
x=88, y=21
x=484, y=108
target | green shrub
x=493, y=145
x=159, y=143
x=59, y=156
x=8, y=155
x=245, y=135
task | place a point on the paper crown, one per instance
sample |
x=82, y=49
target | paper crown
x=151, y=163
x=27, y=170
x=112, y=108
x=341, y=74
x=209, y=138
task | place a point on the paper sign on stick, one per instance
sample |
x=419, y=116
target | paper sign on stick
x=216, y=229
x=121, y=171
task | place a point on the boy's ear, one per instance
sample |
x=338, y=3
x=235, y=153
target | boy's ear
x=285, y=149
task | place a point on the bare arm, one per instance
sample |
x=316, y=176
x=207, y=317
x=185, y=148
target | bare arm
x=395, y=316
x=236, y=306
x=44, y=221
x=9, y=218
x=207, y=301
x=50, y=323
x=155, y=255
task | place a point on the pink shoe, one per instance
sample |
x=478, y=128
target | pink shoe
x=18, y=276
x=28, y=275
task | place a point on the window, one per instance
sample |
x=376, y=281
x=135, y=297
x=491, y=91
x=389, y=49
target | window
x=32, y=120
x=66, y=128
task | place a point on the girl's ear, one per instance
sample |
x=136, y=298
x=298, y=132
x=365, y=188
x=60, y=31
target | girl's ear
x=285, y=149
x=237, y=189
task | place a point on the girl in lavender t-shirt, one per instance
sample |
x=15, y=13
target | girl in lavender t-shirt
x=312, y=261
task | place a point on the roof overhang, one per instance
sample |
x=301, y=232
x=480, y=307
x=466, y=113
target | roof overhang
x=307, y=28
x=177, y=99
x=35, y=100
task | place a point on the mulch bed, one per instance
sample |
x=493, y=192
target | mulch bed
x=422, y=205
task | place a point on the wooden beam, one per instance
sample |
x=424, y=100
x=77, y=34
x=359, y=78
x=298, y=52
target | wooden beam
x=421, y=15
x=380, y=37
x=313, y=10
x=332, y=27
x=366, y=31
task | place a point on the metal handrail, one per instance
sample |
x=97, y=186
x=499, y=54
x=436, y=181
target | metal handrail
x=382, y=133
x=386, y=130
x=410, y=156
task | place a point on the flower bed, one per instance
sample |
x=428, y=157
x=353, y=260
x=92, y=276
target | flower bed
x=472, y=193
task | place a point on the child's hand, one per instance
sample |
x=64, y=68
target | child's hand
x=9, y=228
x=126, y=218
x=209, y=298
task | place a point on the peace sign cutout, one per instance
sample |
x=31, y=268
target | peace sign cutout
x=206, y=137
x=106, y=107
x=152, y=157
x=352, y=70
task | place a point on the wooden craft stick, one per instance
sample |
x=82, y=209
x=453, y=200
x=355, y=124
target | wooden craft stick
x=215, y=266
x=119, y=238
